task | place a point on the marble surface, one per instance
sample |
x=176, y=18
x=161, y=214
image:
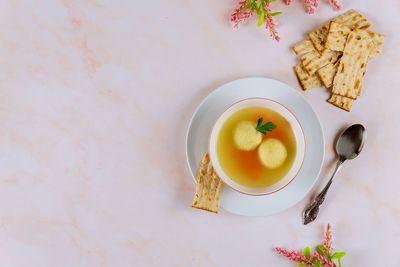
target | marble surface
x=95, y=99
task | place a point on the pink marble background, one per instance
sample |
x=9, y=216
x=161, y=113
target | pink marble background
x=95, y=99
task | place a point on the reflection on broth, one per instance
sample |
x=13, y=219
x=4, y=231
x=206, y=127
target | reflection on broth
x=240, y=157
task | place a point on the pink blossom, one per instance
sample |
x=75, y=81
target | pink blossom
x=245, y=11
x=335, y=4
x=328, y=239
x=311, y=5
x=297, y=257
x=315, y=258
x=324, y=261
x=239, y=15
x=270, y=24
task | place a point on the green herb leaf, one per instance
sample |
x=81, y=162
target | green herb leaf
x=274, y=13
x=338, y=255
x=269, y=1
x=261, y=20
x=301, y=265
x=259, y=122
x=306, y=252
x=267, y=127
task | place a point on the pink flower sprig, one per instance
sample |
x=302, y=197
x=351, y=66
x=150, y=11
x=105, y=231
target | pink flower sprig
x=328, y=240
x=248, y=8
x=322, y=257
x=311, y=5
x=322, y=260
x=269, y=22
x=295, y=256
x=335, y=4
x=241, y=13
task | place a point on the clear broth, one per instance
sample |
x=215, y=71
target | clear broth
x=244, y=167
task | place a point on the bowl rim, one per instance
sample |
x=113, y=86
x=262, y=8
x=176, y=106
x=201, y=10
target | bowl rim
x=302, y=133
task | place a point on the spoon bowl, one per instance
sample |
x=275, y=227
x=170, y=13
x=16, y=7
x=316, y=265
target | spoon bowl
x=351, y=142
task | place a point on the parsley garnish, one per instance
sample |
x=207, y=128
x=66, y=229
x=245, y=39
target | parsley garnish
x=267, y=127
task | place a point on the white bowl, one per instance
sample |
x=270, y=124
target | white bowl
x=297, y=131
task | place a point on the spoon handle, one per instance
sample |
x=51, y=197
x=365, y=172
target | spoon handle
x=311, y=212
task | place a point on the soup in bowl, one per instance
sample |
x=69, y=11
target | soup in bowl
x=257, y=146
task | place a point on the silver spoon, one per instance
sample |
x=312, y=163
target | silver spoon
x=348, y=146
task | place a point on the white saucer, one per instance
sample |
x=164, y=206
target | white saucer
x=221, y=98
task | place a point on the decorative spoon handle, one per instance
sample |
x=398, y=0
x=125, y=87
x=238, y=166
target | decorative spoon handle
x=311, y=212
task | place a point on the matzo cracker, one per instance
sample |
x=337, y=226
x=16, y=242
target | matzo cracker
x=352, y=19
x=327, y=74
x=313, y=61
x=341, y=102
x=306, y=80
x=208, y=188
x=303, y=47
x=352, y=65
x=338, y=33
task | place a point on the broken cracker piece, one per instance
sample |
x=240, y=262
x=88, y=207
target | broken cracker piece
x=341, y=102
x=337, y=36
x=352, y=19
x=313, y=61
x=318, y=37
x=352, y=65
x=377, y=40
x=327, y=74
x=208, y=188
x=306, y=80
x=303, y=47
